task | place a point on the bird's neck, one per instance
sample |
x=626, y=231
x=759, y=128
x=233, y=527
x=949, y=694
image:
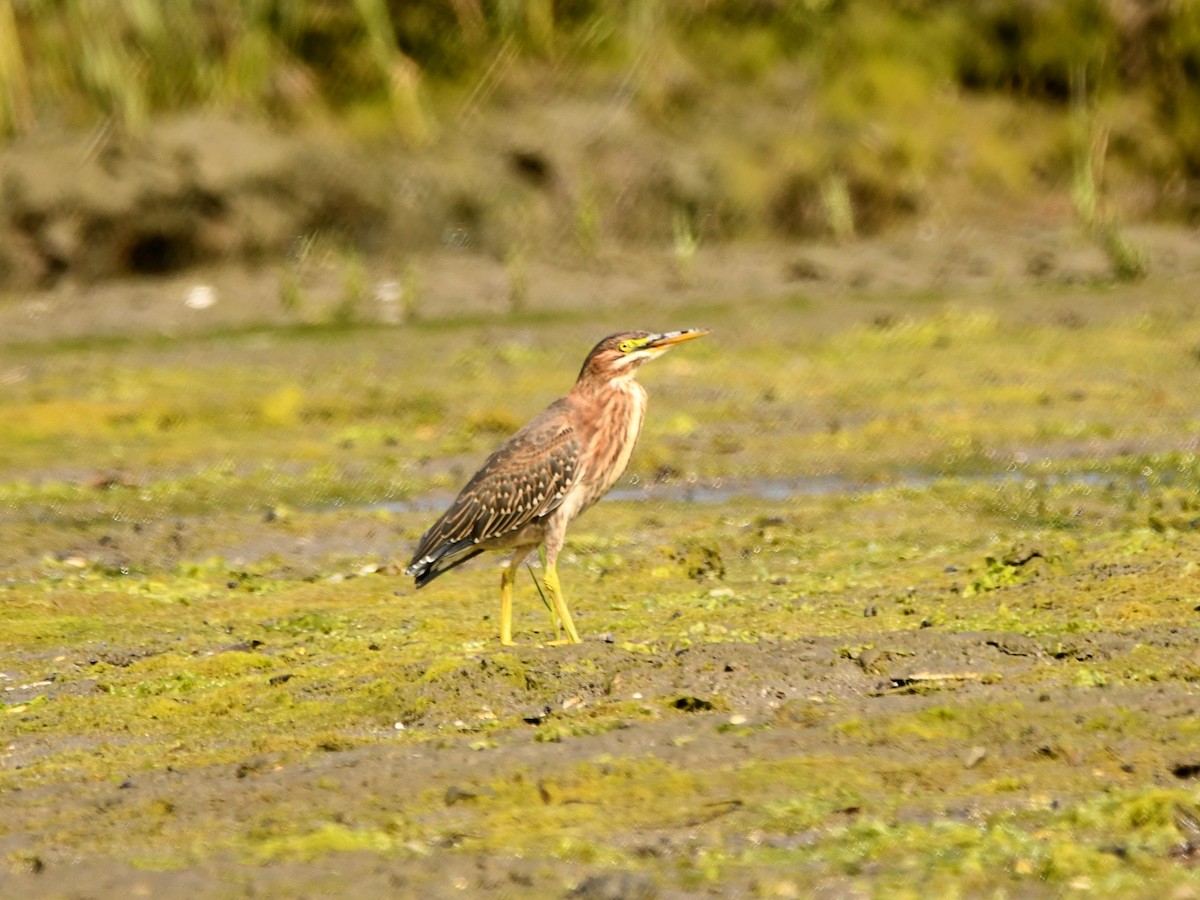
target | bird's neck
x=614, y=411
x=623, y=384
x=618, y=401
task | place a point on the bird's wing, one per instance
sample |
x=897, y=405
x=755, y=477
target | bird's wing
x=527, y=478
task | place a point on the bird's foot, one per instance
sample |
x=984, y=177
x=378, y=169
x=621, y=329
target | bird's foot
x=561, y=642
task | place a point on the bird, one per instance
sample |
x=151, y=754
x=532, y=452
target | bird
x=549, y=472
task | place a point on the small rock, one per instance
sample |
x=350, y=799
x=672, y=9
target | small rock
x=1183, y=770
x=1041, y=263
x=869, y=659
x=974, y=757
x=14, y=375
x=799, y=712
x=804, y=269
x=200, y=296
x=537, y=717
x=455, y=794
x=785, y=889
x=30, y=863
x=250, y=766
x=241, y=646
x=616, y=886
x=389, y=294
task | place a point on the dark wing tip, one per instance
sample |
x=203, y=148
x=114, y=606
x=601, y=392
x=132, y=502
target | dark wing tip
x=428, y=567
x=423, y=570
x=419, y=569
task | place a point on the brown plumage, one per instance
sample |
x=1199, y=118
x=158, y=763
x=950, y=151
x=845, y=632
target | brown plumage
x=549, y=472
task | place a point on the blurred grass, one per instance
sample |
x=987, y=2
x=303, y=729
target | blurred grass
x=883, y=91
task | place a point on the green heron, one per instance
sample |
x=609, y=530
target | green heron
x=558, y=465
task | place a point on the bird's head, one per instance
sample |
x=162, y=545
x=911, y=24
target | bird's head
x=621, y=355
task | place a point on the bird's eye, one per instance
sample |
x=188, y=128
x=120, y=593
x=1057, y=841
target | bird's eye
x=626, y=346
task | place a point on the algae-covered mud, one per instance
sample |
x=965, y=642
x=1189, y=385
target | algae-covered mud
x=899, y=598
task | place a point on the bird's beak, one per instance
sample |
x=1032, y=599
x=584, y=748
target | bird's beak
x=670, y=338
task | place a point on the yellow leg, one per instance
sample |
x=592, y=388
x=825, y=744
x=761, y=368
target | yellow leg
x=556, y=624
x=555, y=621
x=507, y=576
x=560, y=605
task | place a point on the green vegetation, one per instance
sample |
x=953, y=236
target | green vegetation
x=966, y=665
x=329, y=414
x=889, y=108
x=909, y=605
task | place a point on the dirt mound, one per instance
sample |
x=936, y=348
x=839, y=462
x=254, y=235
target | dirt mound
x=566, y=180
x=186, y=192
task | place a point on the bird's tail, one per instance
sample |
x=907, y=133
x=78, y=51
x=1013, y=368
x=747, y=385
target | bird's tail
x=425, y=568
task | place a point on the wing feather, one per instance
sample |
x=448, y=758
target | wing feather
x=524, y=480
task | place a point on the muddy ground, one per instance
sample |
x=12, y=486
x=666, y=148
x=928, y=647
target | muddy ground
x=899, y=597
x=788, y=697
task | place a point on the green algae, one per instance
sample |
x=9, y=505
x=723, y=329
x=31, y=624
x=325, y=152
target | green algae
x=761, y=673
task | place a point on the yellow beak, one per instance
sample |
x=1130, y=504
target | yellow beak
x=670, y=338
